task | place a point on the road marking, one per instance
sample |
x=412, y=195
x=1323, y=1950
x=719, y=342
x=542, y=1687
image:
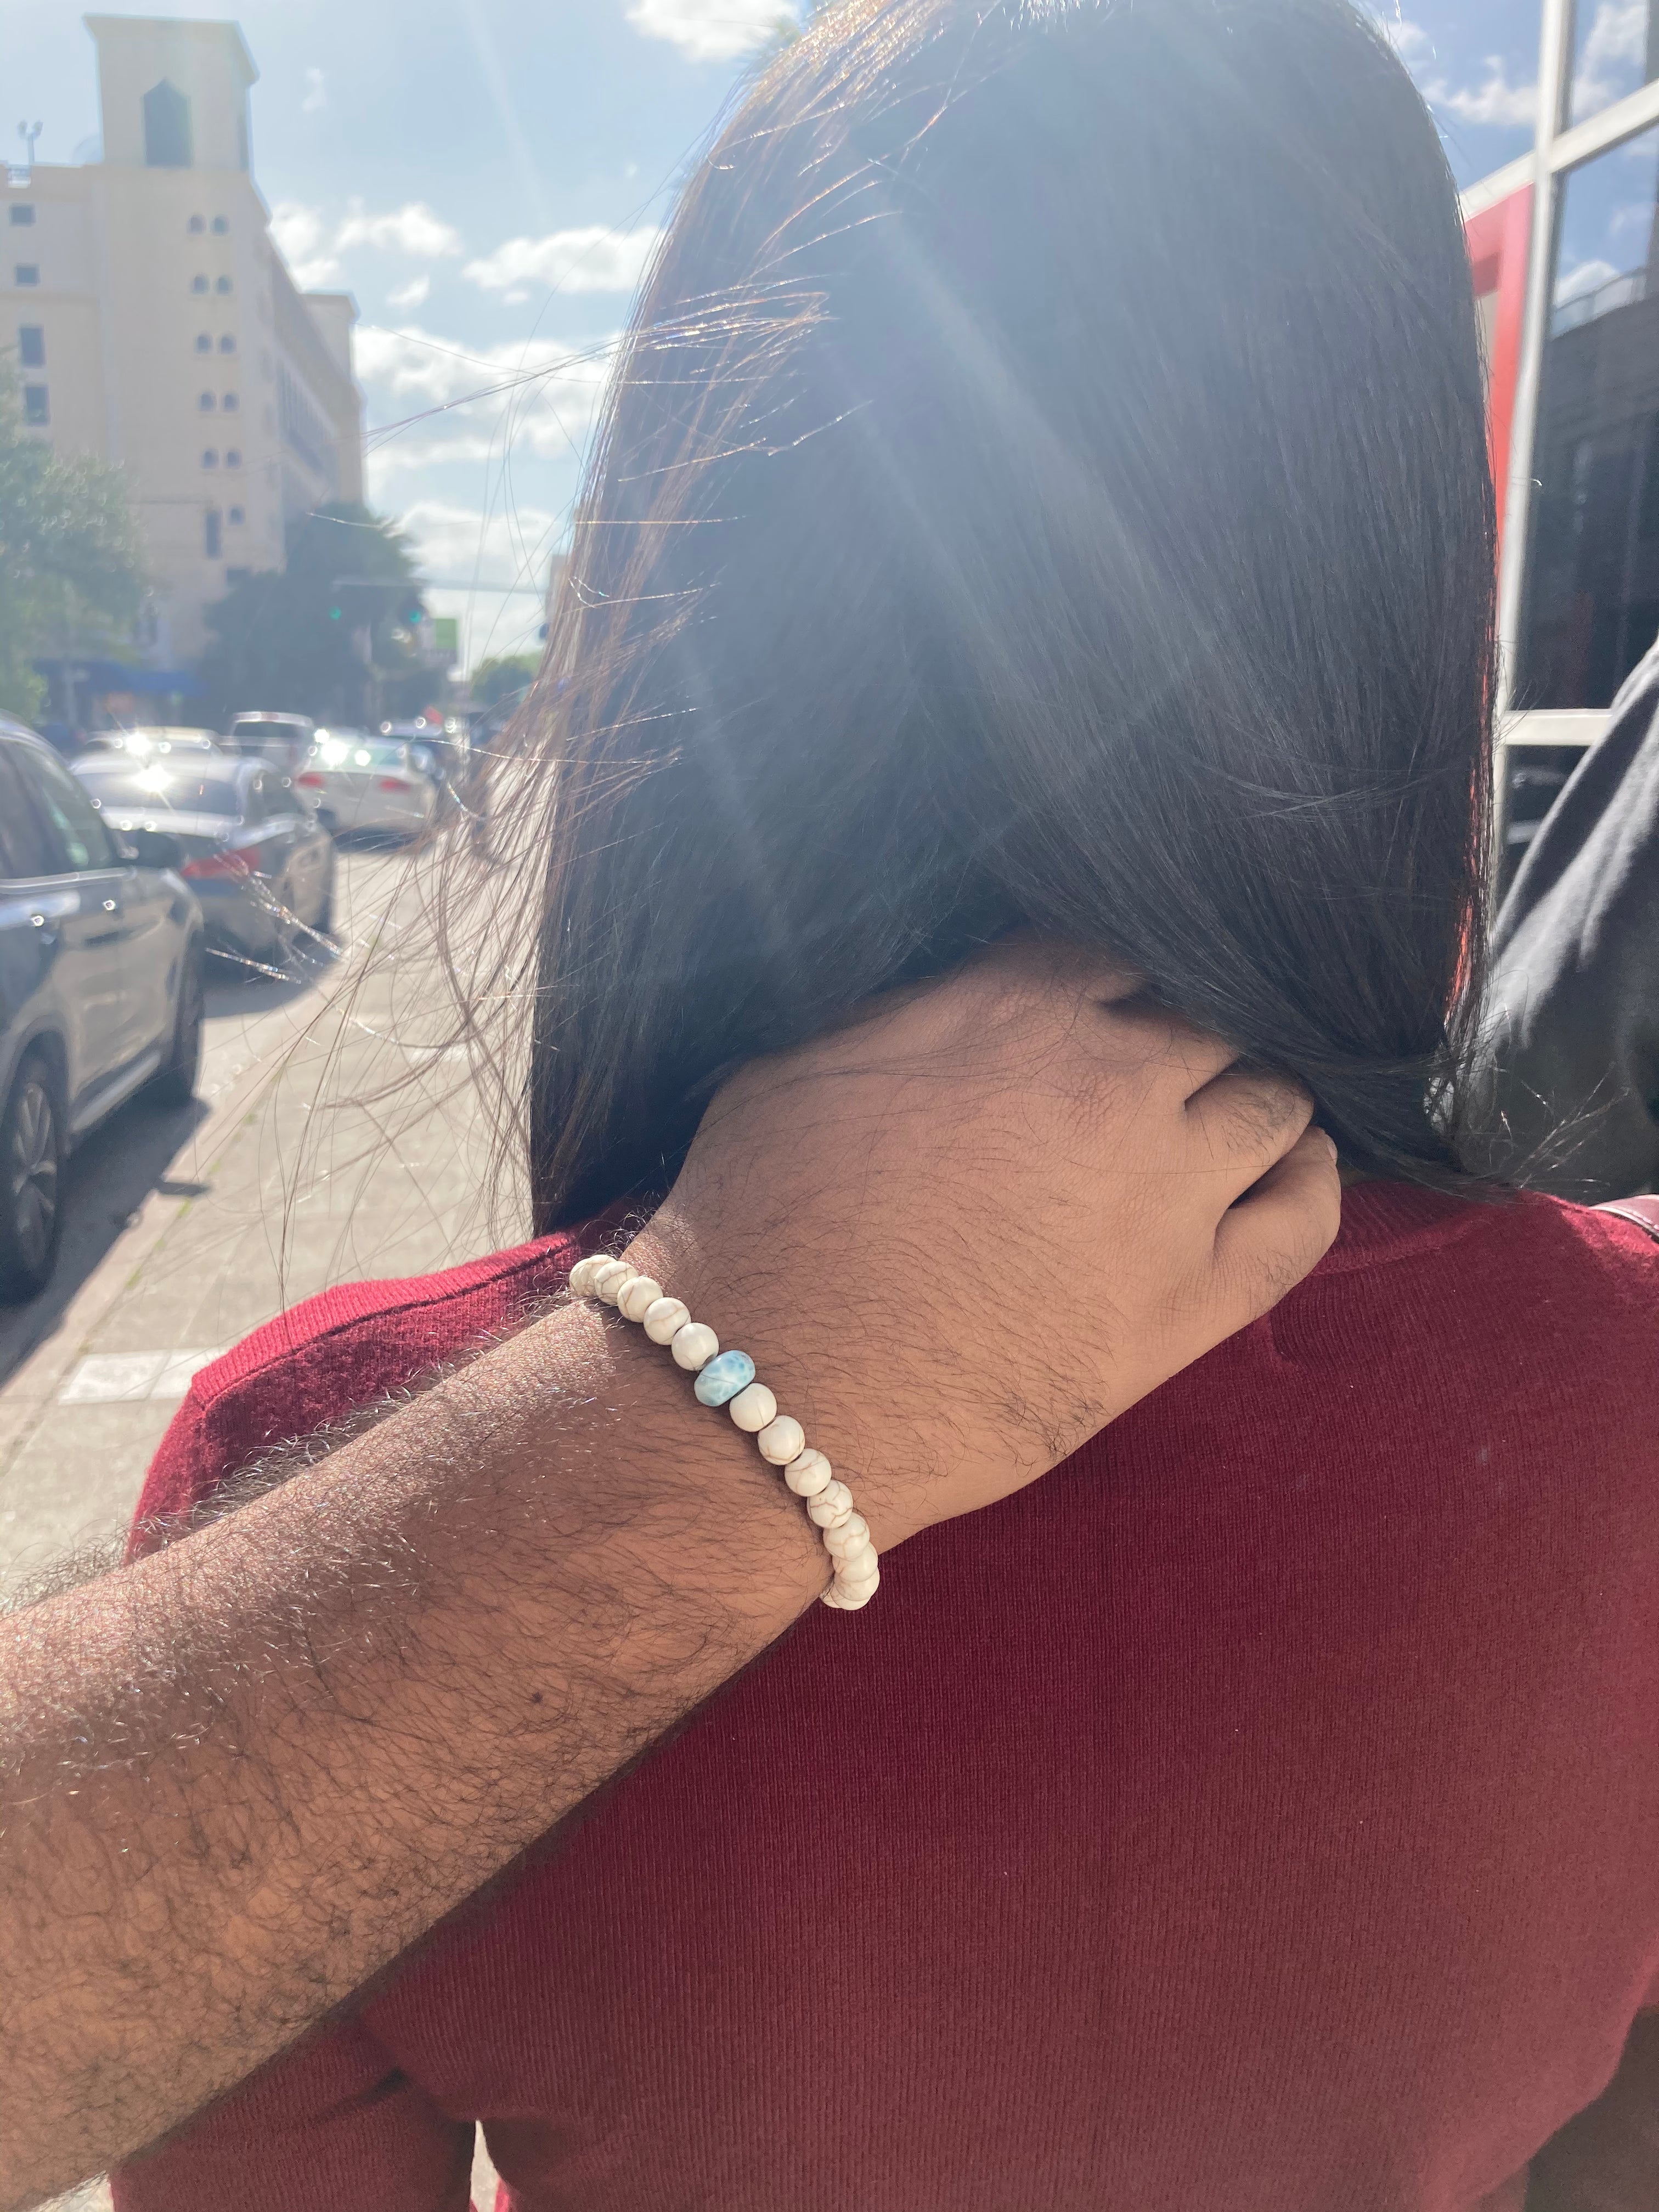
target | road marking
x=128, y=1378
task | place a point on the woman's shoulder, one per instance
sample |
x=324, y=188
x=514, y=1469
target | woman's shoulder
x=1387, y=1224
x=323, y=1359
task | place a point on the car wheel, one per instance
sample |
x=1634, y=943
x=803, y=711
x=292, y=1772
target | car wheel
x=31, y=1180
x=175, y=1085
x=324, y=925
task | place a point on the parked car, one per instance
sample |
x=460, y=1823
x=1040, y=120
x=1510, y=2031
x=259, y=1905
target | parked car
x=100, y=990
x=286, y=739
x=255, y=855
x=360, y=782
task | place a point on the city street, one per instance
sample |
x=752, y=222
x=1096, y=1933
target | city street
x=187, y=1228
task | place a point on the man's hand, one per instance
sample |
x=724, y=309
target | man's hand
x=961, y=1236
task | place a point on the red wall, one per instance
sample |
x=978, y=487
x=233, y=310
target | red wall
x=1498, y=239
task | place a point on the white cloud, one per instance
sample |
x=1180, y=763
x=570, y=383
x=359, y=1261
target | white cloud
x=412, y=229
x=1583, y=277
x=711, y=30
x=514, y=299
x=412, y=294
x=302, y=239
x=592, y=260
x=538, y=397
x=1496, y=101
x=311, y=244
x=316, y=92
x=454, y=541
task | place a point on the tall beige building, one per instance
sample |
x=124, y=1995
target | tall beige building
x=156, y=326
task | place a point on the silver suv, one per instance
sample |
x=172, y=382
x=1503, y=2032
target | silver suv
x=100, y=991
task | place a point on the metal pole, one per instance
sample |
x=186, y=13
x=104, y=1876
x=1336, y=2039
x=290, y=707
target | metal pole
x=1554, y=58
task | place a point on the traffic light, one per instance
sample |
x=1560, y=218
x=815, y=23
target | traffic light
x=414, y=614
x=334, y=614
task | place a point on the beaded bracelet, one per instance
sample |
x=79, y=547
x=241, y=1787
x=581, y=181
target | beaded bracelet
x=727, y=1378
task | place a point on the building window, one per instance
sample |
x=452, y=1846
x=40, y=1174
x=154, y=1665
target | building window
x=207, y=403
x=211, y=458
x=195, y=226
x=23, y=214
x=227, y=344
x=221, y=284
x=1616, y=50
x=167, y=127
x=204, y=343
x=1592, y=593
x=28, y=272
x=231, y=403
x=237, y=515
x=31, y=346
x=36, y=411
x=199, y=283
x=210, y=537
x=233, y=459
x=220, y=226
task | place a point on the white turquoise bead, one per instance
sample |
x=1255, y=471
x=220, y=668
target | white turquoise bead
x=611, y=1279
x=636, y=1299
x=663, y=1318
x=781, y=1440
x=848, y=1597
x=856, y=1566
x=693, y=1346
x=809, y=1474
x=850, y=1535
x=723, y=1378
x=831, y=1506
x=582, y=1274
x=752, y=1409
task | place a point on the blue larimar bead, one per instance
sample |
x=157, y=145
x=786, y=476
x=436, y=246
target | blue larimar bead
x=726, y=1374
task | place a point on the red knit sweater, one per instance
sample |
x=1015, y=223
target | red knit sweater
x=1260, y=1814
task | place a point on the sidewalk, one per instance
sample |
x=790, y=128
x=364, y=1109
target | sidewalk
x=299, y=1174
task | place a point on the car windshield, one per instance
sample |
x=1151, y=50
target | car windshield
x=350, y=748
x=262, y=729
x=171, y=787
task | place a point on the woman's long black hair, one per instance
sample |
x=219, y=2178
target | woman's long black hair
x=1044, y=483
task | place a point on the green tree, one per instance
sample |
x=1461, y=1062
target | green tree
x=72, y=571
x=331, y=634
x=493, y=679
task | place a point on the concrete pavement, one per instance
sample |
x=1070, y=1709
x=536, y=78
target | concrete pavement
x=330, y=1141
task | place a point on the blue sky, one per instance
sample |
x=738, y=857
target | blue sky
x=486, y=179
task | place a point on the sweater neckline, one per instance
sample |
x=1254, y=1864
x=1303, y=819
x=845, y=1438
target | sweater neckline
x=1385, y=1221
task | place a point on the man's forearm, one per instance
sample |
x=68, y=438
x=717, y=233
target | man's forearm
x=324, y=1720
